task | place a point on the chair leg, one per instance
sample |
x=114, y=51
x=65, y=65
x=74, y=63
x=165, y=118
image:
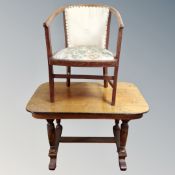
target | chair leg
x=51, y=84
x=105, y=73
x=68, y=73
x=114, y=85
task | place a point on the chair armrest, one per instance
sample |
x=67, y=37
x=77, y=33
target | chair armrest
x=46, y=26
x=53, y=15
x=118, y=16
x=120, y=31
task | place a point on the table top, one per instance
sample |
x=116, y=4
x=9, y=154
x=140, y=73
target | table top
x=88, y=98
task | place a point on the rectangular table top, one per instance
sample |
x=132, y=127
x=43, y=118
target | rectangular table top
x=88, y=98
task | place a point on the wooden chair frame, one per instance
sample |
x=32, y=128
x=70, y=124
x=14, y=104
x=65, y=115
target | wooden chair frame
x=105, y=64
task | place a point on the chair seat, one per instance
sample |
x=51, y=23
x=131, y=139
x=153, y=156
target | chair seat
x=84, y=53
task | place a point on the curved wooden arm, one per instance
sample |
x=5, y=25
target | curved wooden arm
x=120, y=31
x=47, y=29
x=119, y=43
x=48, y=41
x=53, y=15
x=118, y=16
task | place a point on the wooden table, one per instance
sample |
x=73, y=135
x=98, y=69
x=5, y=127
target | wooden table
x=87, y=101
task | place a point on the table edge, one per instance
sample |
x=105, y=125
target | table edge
x=86, y=116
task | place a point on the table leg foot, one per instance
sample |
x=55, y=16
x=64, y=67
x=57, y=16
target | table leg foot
x=53, y=158
x=52, y=164
x=122, y=164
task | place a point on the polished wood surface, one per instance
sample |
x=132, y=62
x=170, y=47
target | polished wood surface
x=88, y=98
x=87, y=101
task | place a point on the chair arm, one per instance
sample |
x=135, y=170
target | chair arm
x=120, y=31
x=53, y=15
x=119, y=43
x=118, y=16
x=46, y=26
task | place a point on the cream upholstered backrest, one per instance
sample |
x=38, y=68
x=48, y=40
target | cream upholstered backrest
x=86, y=25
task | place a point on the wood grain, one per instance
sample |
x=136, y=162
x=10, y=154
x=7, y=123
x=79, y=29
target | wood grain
x=88, y=98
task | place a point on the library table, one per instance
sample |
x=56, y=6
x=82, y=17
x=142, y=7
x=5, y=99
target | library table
x=86, y=100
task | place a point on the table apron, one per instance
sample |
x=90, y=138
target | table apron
x=86, y=116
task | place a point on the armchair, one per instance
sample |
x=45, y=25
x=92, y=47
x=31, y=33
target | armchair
x=87, y=29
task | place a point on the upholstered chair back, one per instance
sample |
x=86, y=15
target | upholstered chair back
x=86, y=25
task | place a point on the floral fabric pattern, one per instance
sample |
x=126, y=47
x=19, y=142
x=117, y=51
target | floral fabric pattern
x=83, y=53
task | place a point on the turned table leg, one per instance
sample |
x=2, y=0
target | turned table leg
x=116, y=130
x=54, y=135
x=123, y=139
x=120, y=135
x=58, y=132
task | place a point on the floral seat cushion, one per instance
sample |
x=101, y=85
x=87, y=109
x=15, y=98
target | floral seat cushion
x=84, y=53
